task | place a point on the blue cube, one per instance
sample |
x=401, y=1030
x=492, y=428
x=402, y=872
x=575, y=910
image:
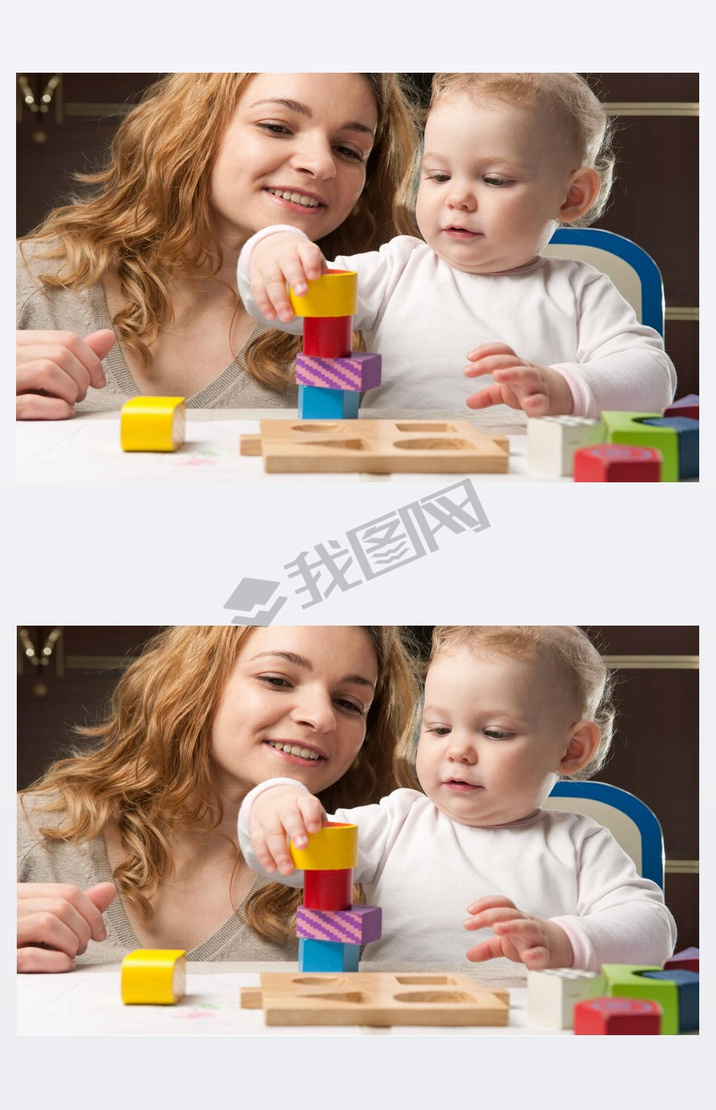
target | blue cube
x=316, y=403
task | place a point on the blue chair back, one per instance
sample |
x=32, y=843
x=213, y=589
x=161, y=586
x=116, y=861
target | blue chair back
x=633, y=271
x=633, y=825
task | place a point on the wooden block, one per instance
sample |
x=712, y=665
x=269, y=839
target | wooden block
x=552, y=994
x=251, y=998
x=154, y=976
x=327, y=955
x=612, y=462
x=328, y=890
x=687, y=435
x=629, y=981
x=359, y=372
x=328, y=336
x=687, y=986
x=686, y=960
x=631, y=428
x=335, y=293
x=317, y=403
x=381, y=998
x=152, y=424
x=381, y=447
x=684, y=406
x=552, y=441
x=621, y=1016
x=333, y=848
x=358, y=925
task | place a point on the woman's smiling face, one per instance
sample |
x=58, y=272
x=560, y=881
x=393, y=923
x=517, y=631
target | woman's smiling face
x=295, y=705
x=295, y=152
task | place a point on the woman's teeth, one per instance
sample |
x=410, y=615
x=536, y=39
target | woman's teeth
x=293, y=749
x=295, y=198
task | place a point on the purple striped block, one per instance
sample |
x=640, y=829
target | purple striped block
x=358, y=925
x=357, y=372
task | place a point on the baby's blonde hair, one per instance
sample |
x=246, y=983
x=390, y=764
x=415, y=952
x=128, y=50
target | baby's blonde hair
x=565, y=96
x=565, y=648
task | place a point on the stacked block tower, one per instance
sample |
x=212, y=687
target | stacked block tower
x=330, y=375
x=329, y=927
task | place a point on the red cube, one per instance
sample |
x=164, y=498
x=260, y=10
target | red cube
x=621, y=1016
x=617, y=462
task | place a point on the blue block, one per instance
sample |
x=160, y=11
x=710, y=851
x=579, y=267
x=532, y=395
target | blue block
x=687, y=984
x=327, y=955
x=316, y=403
x=687, y=431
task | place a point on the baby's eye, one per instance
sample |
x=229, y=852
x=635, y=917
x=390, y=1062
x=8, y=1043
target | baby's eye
x=440, y=178
x=438, y=730
x=497, y=734
x=498, y=182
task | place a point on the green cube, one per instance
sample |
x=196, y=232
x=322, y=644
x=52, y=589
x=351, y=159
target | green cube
x=626, y=981
x=628, y=427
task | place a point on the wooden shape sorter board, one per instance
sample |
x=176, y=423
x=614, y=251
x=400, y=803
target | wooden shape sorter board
x=377, y=447
x=378, y=998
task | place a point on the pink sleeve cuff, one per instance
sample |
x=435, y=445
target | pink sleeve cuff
x=580, y=401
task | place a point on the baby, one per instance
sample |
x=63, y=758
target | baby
x=508, y=711
x=508, y=158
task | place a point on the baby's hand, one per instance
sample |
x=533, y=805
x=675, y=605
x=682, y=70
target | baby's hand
x=534, y=941
x=537, y=390
x=280, y=258
x=279, y=812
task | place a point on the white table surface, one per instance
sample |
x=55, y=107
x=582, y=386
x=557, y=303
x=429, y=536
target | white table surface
x=87, y=1003
x=86, y=449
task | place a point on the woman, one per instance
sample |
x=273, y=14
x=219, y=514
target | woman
x=149, y=257
x=203, y=715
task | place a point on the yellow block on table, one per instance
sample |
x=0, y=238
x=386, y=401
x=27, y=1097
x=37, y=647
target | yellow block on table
x=154, y=976
x=153, y=424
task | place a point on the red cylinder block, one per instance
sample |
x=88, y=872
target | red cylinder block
x=328, y=336
x=328, y=890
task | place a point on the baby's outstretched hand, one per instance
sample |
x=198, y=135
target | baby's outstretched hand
x=534, y=941
x=280, y=812
x=276, y=260
x=537, y=390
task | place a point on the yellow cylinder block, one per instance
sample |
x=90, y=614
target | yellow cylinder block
x=335, y=293
x=334, y=848
x=154, y=976
x=153, y=424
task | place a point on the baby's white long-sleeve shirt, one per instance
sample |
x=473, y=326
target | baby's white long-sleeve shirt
x=422, y=316
x=423, y=869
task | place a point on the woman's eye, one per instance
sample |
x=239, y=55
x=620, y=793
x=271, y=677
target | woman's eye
x=274, y=680
x=275, y=128
x=350, y=706
x=352, y=155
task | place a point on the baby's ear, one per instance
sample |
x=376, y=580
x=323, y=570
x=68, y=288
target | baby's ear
x=582, y=191
x=583, y=743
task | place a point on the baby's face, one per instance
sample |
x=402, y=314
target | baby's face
x=493, y=180
x=493, y=733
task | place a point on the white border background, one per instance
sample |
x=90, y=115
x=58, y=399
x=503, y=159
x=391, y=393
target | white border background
x=583, y=555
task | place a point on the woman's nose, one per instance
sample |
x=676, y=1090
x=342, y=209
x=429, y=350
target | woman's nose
x=314, y=155
x=315, y=709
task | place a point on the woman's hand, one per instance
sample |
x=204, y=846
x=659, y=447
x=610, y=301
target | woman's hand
x=276, y=260
x=535, y=942
x=56, y=921
x=537, y=390
x=55, y=369
x=280, y=812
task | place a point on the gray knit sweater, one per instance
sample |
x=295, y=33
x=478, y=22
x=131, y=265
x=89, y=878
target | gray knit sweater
x=82, y=865
x=42, y=308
